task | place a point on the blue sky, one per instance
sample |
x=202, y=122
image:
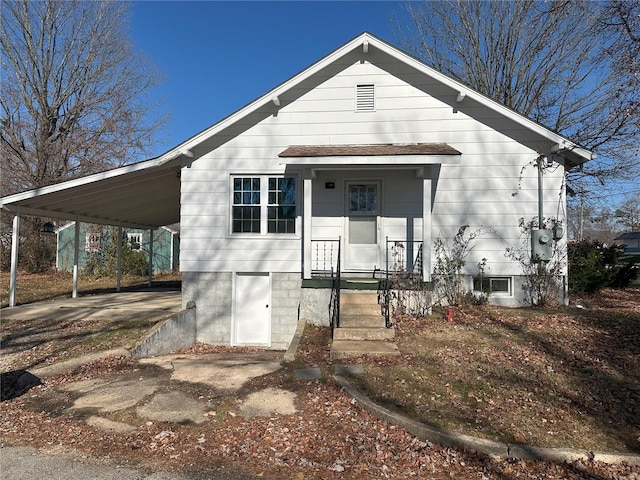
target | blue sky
x=219, y=56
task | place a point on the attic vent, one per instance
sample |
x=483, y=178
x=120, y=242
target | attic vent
x=365, y=99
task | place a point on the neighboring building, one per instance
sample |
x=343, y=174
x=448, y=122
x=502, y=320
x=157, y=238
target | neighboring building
x=94, y=238
x=631, y=242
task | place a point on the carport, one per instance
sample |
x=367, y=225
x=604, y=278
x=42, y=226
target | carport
x=143, y=195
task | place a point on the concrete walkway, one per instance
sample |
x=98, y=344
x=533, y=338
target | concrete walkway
x=142, y=304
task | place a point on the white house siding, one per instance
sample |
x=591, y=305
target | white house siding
x=484, y=190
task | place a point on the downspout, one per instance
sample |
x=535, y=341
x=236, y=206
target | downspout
x=540, y=193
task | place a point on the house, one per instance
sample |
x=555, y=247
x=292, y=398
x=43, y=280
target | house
x=95, y=239
x=631, y=242
x=364, y=154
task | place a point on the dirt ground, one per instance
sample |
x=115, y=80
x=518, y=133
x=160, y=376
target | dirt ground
x=330, y=435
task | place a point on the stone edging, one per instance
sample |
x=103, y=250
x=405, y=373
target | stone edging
x=503, y=450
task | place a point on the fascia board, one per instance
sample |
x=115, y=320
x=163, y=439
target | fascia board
x=267, y=98
x=389, y=161
x=562, y=142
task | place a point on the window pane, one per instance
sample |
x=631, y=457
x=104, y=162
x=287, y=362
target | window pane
x=281, y=213
x=362, y=230
x=363, y=199
x=246, y=220
x=500, y=285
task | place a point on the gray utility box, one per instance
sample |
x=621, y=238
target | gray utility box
x=541, y=245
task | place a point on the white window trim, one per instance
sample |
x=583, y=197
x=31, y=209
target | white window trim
x=88, y=242
x=130, y=236
x=264, y=204
x=492, y=293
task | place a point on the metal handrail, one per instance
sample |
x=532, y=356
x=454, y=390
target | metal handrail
x=334, y=302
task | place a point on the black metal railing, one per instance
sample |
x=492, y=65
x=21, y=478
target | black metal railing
x=334, y=302
x=384, y=300
x=325, y=257
x=404, y=258
x=404, y=269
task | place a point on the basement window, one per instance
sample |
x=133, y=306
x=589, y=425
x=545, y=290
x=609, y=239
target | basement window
x=493, y=285
x=365, y=98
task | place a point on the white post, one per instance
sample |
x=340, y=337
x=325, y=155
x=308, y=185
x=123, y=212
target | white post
x=426, y=225
x=306, y=221
x=15, y=240
x=150, y=256
x=119, y=260
x=76, y=257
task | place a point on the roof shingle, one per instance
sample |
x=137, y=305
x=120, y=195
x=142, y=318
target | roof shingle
x=369, y=150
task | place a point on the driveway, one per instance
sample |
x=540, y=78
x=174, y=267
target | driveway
x=143, y=303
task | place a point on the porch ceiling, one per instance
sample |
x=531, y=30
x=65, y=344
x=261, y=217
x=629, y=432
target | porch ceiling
x=142, y=195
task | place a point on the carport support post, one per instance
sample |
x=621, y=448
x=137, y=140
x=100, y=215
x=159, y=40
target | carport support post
x=76, y=256
x=426, y=226
x=150, y=256
x=307, y=223
x=119, y=259
x=15, y=239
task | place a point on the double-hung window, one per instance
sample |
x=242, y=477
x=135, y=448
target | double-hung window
x=135, y=241
x=264, y=205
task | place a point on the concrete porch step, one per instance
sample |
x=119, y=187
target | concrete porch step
x=355, y=348
x=361, y=321
x=366, y=333
x=358, y=297
x=362, y=309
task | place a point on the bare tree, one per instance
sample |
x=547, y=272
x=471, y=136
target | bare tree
x=628, y=215
x=550, y=61
x=73, y=93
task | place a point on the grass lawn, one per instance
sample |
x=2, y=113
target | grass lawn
x=562, y=377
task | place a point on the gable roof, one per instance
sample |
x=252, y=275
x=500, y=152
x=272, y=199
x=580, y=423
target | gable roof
x=147, y=194
x=366, y=41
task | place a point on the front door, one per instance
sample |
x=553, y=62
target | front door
x=252, y=317
x=362, y=252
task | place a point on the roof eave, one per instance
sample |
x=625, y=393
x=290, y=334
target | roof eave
x=366, y=41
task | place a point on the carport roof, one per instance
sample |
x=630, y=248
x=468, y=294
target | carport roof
x=142, y=195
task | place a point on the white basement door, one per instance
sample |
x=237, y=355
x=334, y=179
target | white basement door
x=252, y=309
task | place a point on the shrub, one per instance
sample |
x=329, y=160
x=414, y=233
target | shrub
x=594, y=265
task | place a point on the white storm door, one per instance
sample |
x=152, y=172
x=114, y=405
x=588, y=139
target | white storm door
x=252, y=317
x=362, y=250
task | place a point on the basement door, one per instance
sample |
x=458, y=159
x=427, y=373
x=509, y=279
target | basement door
x=362, y=250
x=252, y=312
